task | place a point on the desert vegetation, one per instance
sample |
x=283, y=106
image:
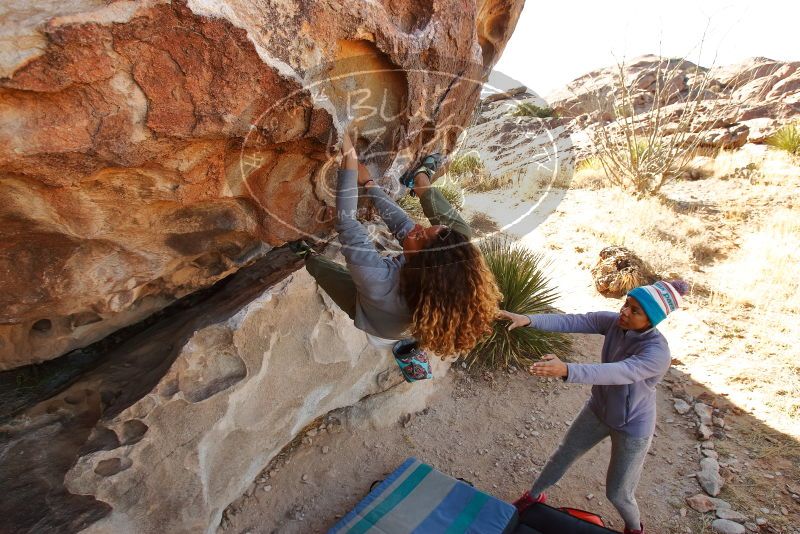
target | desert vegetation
x=526, y=289
x=646, y=140
x=787, y=138
x=469, y=171
x=527, y=109
x=450, y=189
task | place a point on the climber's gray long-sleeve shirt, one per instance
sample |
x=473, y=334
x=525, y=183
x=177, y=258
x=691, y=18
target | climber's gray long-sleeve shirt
x=380, y=308
x=624, y=385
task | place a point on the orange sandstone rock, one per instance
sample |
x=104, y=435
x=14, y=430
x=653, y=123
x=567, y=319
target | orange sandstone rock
x=148, y=149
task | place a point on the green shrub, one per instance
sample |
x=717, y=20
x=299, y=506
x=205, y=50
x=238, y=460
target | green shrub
x=787, y=138
x=526, y=109
x=470, y=172
x=622, y=112
x=469, y=163
x=636, y=152
x=526, y=290
x=450, y=189
x=592, y=163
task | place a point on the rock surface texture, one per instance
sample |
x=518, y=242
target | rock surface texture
x=148, y=149
x=237, y=393
x=764, y=87
x=178, y=420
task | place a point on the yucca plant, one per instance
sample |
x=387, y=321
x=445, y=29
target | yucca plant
x=787, y=138
x=526, y=290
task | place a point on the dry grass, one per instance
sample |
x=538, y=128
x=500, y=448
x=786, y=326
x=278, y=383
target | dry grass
x=469, y=171
x=484, y=181
x=483, y=224
x=764, y=270
x=653, y=230
x=735, y=237
x=451, y=190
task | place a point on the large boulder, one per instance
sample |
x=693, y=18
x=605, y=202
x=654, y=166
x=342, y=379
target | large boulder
x=179, y=420
x=755, y=88
x=239, y=391
x=148, y=149
x=728, y=106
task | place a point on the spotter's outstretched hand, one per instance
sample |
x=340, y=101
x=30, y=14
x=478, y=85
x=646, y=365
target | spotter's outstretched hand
x=516, y=319
x=549, y=366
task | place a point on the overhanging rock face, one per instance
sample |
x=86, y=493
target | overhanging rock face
x=148, y=149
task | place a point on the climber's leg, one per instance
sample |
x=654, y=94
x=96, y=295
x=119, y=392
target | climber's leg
x=436, y=207
x=335, y=280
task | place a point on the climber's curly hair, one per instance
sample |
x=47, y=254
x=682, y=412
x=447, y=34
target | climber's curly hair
x=452, y=294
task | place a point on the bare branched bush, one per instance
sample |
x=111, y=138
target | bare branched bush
x=652, y=122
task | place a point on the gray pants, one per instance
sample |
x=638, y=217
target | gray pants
x=627, y=458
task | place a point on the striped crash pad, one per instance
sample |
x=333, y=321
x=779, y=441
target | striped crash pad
x=418, y=499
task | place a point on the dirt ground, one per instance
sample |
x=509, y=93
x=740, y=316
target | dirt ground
x=496, y=430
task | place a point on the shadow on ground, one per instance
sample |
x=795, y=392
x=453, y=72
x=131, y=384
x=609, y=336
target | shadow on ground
x=47, y=424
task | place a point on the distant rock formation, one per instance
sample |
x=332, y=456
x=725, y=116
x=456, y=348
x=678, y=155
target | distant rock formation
x=756, y=97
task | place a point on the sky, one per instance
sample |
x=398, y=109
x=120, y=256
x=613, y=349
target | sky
x=556, y=42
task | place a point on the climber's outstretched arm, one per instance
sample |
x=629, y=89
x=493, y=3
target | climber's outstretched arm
x=365, y=264
x=394, y=216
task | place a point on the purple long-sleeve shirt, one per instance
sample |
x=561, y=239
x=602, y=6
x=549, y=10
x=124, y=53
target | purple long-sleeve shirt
x=624, y=385
x=380, y=308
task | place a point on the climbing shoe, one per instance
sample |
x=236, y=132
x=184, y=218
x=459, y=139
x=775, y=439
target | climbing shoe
x=429, y=165
x=412, y=360
x=300, y=248
x=526, y=501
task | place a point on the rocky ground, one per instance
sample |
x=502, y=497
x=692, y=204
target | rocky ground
x=497, y=429
x=725, y=457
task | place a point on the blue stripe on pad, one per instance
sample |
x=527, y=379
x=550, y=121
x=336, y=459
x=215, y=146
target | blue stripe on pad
x=373, y=495
x=447, y=510
x=392, y=500
x=494, y=516
x=468, y=514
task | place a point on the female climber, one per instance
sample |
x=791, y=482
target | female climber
x=439, y=290
x=635, y=356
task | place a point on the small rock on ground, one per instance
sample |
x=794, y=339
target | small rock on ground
x=682, y=407
x=731, y=515
x=723, y=526
x=709, y=478
x=700, y=503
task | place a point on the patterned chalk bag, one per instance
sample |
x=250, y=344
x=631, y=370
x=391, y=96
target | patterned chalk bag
x=412, y=360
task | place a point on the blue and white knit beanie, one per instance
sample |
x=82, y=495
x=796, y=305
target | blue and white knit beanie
x=660, y=299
